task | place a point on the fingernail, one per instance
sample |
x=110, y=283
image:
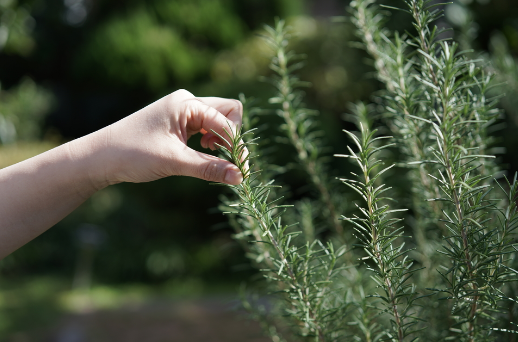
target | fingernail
x=233, y=176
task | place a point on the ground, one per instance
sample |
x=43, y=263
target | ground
x=43, y=310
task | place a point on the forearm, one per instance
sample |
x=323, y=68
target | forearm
x=37, y=193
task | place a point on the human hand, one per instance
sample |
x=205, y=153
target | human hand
x=147, y=145
x=152, y=143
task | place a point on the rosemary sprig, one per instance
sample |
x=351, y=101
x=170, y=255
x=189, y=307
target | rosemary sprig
x=378, y=237
x=304, y=274
x=299, y=124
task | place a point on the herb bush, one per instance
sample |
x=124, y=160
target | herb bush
x=444, y=267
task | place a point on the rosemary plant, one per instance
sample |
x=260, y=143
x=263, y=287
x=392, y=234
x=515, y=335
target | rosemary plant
x=439, y=111
x=303, y=274
x=463, y=233
x=377, y=234
x=299, y=125
x=396, y=69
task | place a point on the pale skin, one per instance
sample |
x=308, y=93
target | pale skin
x=145, y=146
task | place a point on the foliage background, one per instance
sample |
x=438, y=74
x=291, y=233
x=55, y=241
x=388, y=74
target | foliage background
x=68, y=68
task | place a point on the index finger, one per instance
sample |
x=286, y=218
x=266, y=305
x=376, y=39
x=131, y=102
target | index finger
x=230, y=108
x=203, y=117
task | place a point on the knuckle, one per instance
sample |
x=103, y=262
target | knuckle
x=179, y=96
x=180, y=100
x=182, y=93
x=212, y=172
x=238, y=107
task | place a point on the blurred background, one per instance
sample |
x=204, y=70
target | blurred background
x=157, y=260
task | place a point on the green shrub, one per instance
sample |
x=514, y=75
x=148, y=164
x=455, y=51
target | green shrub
x=443, y=269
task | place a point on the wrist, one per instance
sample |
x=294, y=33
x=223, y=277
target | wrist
x=88, y=155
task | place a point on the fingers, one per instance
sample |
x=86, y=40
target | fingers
x=200, y=165
x=207, y=114
x=230, y=108
x=208, y=140
x=204, y=117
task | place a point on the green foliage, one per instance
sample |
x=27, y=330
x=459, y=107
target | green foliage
x=377, y=236
x=303, y=274
x=209, y=19
x=299, y=125
x=436, y=104
x=22, y=111
x=136, y=48
x=22, y=108
x=15, y=28
x=156, y=46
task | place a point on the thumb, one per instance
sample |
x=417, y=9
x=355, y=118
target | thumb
x=200, y=165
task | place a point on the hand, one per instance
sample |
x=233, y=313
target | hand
x=152, y=143
x=147, y=145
